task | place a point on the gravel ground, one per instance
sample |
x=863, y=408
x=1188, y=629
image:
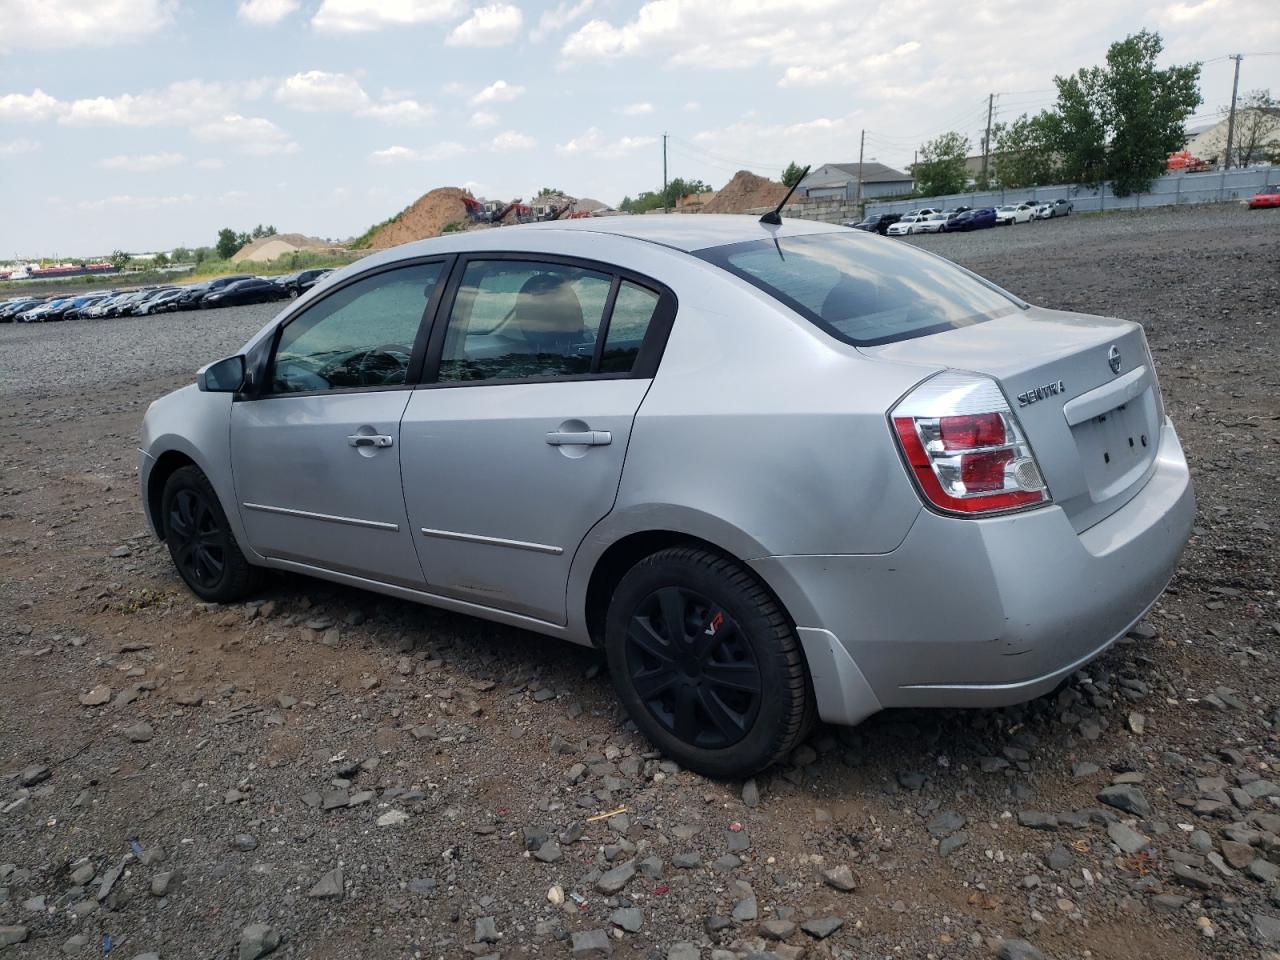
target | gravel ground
x=352, y=776
x=64, y=357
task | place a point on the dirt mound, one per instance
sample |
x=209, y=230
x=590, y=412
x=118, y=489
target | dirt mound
x=428, y=217
x=745, y=192
x=265, y=249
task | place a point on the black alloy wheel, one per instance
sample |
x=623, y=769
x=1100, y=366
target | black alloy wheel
x=693, y=668
x=707, y=663
x=198, y=541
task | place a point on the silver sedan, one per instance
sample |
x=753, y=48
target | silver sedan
x=776, y=472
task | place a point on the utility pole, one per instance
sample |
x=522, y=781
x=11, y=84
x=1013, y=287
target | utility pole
x=862, y=143
x=1231, y=117
x=986, y=139
x=664, y=173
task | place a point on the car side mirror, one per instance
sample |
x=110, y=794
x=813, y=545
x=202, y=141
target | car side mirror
x=224, y=376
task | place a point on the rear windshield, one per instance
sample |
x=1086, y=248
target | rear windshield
x=864, y=290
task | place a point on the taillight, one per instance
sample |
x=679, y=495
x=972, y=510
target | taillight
x=965, y=449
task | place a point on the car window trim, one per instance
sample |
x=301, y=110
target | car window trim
x=263, y=359
x=651, y=348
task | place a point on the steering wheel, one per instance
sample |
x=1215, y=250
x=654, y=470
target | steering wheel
x=378, y=366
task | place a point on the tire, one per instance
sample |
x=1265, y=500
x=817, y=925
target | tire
x=200, y=541
x=728, y=706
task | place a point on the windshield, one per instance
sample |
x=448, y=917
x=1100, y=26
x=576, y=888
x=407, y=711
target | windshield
x=864, y=290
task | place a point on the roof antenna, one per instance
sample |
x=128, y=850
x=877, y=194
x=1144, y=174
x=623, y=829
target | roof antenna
x=774, y=216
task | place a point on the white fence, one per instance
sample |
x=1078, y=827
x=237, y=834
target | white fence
x=1216, y=187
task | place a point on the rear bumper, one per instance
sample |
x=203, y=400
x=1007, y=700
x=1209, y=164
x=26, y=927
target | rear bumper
x=986, y=612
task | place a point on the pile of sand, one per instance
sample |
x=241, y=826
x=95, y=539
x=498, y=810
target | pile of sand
x=428, y=217
x=746, y=192
x=265, y=249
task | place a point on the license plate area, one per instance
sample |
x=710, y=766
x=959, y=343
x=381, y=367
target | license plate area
x=1118, y=446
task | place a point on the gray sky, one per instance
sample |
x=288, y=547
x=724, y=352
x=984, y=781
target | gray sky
x=143, y=124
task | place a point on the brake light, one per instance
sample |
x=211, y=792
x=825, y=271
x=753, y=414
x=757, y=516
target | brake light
x=965, y=448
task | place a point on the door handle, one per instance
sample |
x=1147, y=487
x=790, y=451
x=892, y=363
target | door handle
x=370, y=440
x=585, y=438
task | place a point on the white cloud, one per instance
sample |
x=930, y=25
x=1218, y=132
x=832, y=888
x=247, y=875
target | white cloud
x=400, y=154
x=557, y=19
x=594, y=143
x=512, y=140
x=257, y=136
x=636, y=109
x=493, y=25
x=210, y=163
x=141, y=163
x=264, y=13
x=317, y=90
x=61, y=24
x=180, y=103
x=362, y=16
x=692, y=106
x=11, y=148
x=483, y=118
x=36, y=105
x=404, y=112
x=393, y=154
x=123, y=201
x=497, y=92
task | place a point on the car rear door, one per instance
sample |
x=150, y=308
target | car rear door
x=316, y=455
x=513, y=448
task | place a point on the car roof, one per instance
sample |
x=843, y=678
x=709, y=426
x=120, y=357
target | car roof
x=686, y=232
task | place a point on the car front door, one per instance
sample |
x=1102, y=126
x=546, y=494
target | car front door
x=316, y=455
x=514, y=449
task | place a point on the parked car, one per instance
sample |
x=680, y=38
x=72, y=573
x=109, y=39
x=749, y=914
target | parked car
x=877, y=223
x=1266, y=197
x=1014, y=213
x=1053, y=208
x=147, y=304
x=47, y=312
x=77, y=309
x=922, y=212
x=195, y=293
x=10, y=310
x=308, y=279
x=251, y=290
x=966, y=220
x=980, y=531
x=903, y=226
x=924, y=223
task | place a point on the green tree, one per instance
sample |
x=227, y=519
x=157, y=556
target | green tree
x=1076, y=128
x=228, y=243
x=550, y=192
x=119, y=258
x=161, y=260
x=793, y=174
x=941, y=167
x=180, y=255
x=200, y=254
x=1257, y=134
x=1023, y=153
x=1145, y=108
x=1120, y=121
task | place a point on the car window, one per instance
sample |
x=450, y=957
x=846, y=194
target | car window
x=515, y=319
x=633, y=309
x=863, y=291
x=359, y=336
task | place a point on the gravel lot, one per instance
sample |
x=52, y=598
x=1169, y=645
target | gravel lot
x=358, y=777
x=46, y=358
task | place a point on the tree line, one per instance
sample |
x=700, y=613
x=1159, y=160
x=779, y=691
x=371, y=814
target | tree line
x=1115, y=123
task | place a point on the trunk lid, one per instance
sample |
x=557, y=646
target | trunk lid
x=1082, y=387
